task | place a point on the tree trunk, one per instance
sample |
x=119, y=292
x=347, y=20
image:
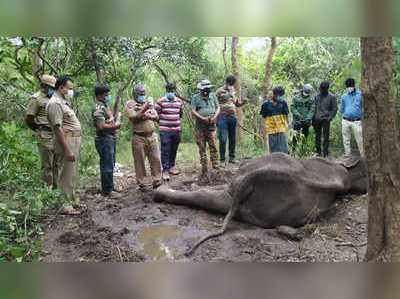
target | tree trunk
x=266, y=86
x=224, y=55
x=236, y=73
x=95, y=60
x=382, y=150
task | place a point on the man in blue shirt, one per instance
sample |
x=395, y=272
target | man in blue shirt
x=352, y=113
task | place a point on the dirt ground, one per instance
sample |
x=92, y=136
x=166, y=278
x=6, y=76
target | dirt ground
x=136, y=229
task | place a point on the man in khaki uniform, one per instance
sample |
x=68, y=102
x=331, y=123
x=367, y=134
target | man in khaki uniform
x=36, y=119
x=144, y=141
x=67, y=131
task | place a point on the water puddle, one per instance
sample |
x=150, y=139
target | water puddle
x=153, y=239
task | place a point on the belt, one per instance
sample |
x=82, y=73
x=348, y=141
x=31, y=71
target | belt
x=143, y=134
x=45, y=128
x=72, y=133
x=352, y=119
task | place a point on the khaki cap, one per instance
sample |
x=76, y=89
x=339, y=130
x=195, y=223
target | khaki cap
x=48, y=80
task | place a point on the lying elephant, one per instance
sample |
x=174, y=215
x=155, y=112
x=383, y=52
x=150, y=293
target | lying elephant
x=276, y=190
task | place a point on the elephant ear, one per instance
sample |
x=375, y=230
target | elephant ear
x=349, y=162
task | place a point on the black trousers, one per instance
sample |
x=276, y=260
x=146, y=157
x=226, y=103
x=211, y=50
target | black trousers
x=322, y=129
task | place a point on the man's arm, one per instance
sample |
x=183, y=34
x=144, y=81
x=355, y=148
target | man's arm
x=342, y=105
x=31, y=111
x=197, y=115
x=69, y=156
x=334, y=107
x=30, y=122
x=55, y=117
x=311, y=112
x=295, y=112
x=135, y=115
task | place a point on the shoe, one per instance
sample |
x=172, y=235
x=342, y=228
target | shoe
x=233, y=161
x=165, y=176
x=174, y=171
x=112, y=194
x=216, y=167
x=157, y=184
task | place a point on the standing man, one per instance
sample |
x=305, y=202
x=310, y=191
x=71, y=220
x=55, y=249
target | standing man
x=170, y=111
x=227, y=121
x=105, y=138
x=352, y=113
x=275, y=113
x=303, y=108
x=205, y=109
x=325, y=111
x=142, y=115
x=67, y=130
x=36, y=119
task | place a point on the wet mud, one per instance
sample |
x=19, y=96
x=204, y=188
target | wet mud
x=133, y=228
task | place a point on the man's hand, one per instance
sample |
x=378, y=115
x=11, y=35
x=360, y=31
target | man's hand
x=212, y=120
x=69, y=156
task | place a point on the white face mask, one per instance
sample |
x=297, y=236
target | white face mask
x=350, y=89
x=70, y=94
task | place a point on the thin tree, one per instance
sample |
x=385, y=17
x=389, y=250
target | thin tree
x=266, y=86
x=224, y=55
x=236, y=73
x=382, y=150
x=267, y=82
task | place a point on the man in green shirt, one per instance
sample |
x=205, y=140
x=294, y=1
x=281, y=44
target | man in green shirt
x=303, y=109
x=205, y=109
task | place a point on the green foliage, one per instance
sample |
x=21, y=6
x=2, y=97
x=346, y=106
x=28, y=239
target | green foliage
x=22, y=195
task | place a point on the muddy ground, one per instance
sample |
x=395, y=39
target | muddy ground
x=134, y=228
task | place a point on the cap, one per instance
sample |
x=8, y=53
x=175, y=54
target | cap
x=48, y=80
x=204, y=84
x=307, y=88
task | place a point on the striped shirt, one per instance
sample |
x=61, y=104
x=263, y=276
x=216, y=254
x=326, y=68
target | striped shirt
x=170, y=113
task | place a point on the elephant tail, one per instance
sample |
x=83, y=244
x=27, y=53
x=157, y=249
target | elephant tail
x=227, y=220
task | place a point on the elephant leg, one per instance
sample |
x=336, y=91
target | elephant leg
x=205, y=199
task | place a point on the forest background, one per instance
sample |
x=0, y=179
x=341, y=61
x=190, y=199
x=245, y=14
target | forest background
x=121, y=62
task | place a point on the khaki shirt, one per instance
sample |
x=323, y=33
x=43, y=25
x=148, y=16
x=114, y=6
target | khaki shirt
x=140, y=125
x=37, y=108
x=226, y=100
x=60, y=113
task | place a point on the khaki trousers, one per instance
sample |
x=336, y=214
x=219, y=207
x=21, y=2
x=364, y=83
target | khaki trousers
x=142, y=148
x=347, y=128
x=204, y=137
x=49, y=161
x=68, y=170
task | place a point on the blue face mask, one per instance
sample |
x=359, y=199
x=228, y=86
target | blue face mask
x=108, y=100
x=141, y=99
x=50, y=92
x=170, y=95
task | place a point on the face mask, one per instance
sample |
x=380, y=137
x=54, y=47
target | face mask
x=141, y=99
x=170, y=95
x=50, y=92
x=70, y=94
x=350, y=89
x=108, y=99
x=205, y=92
